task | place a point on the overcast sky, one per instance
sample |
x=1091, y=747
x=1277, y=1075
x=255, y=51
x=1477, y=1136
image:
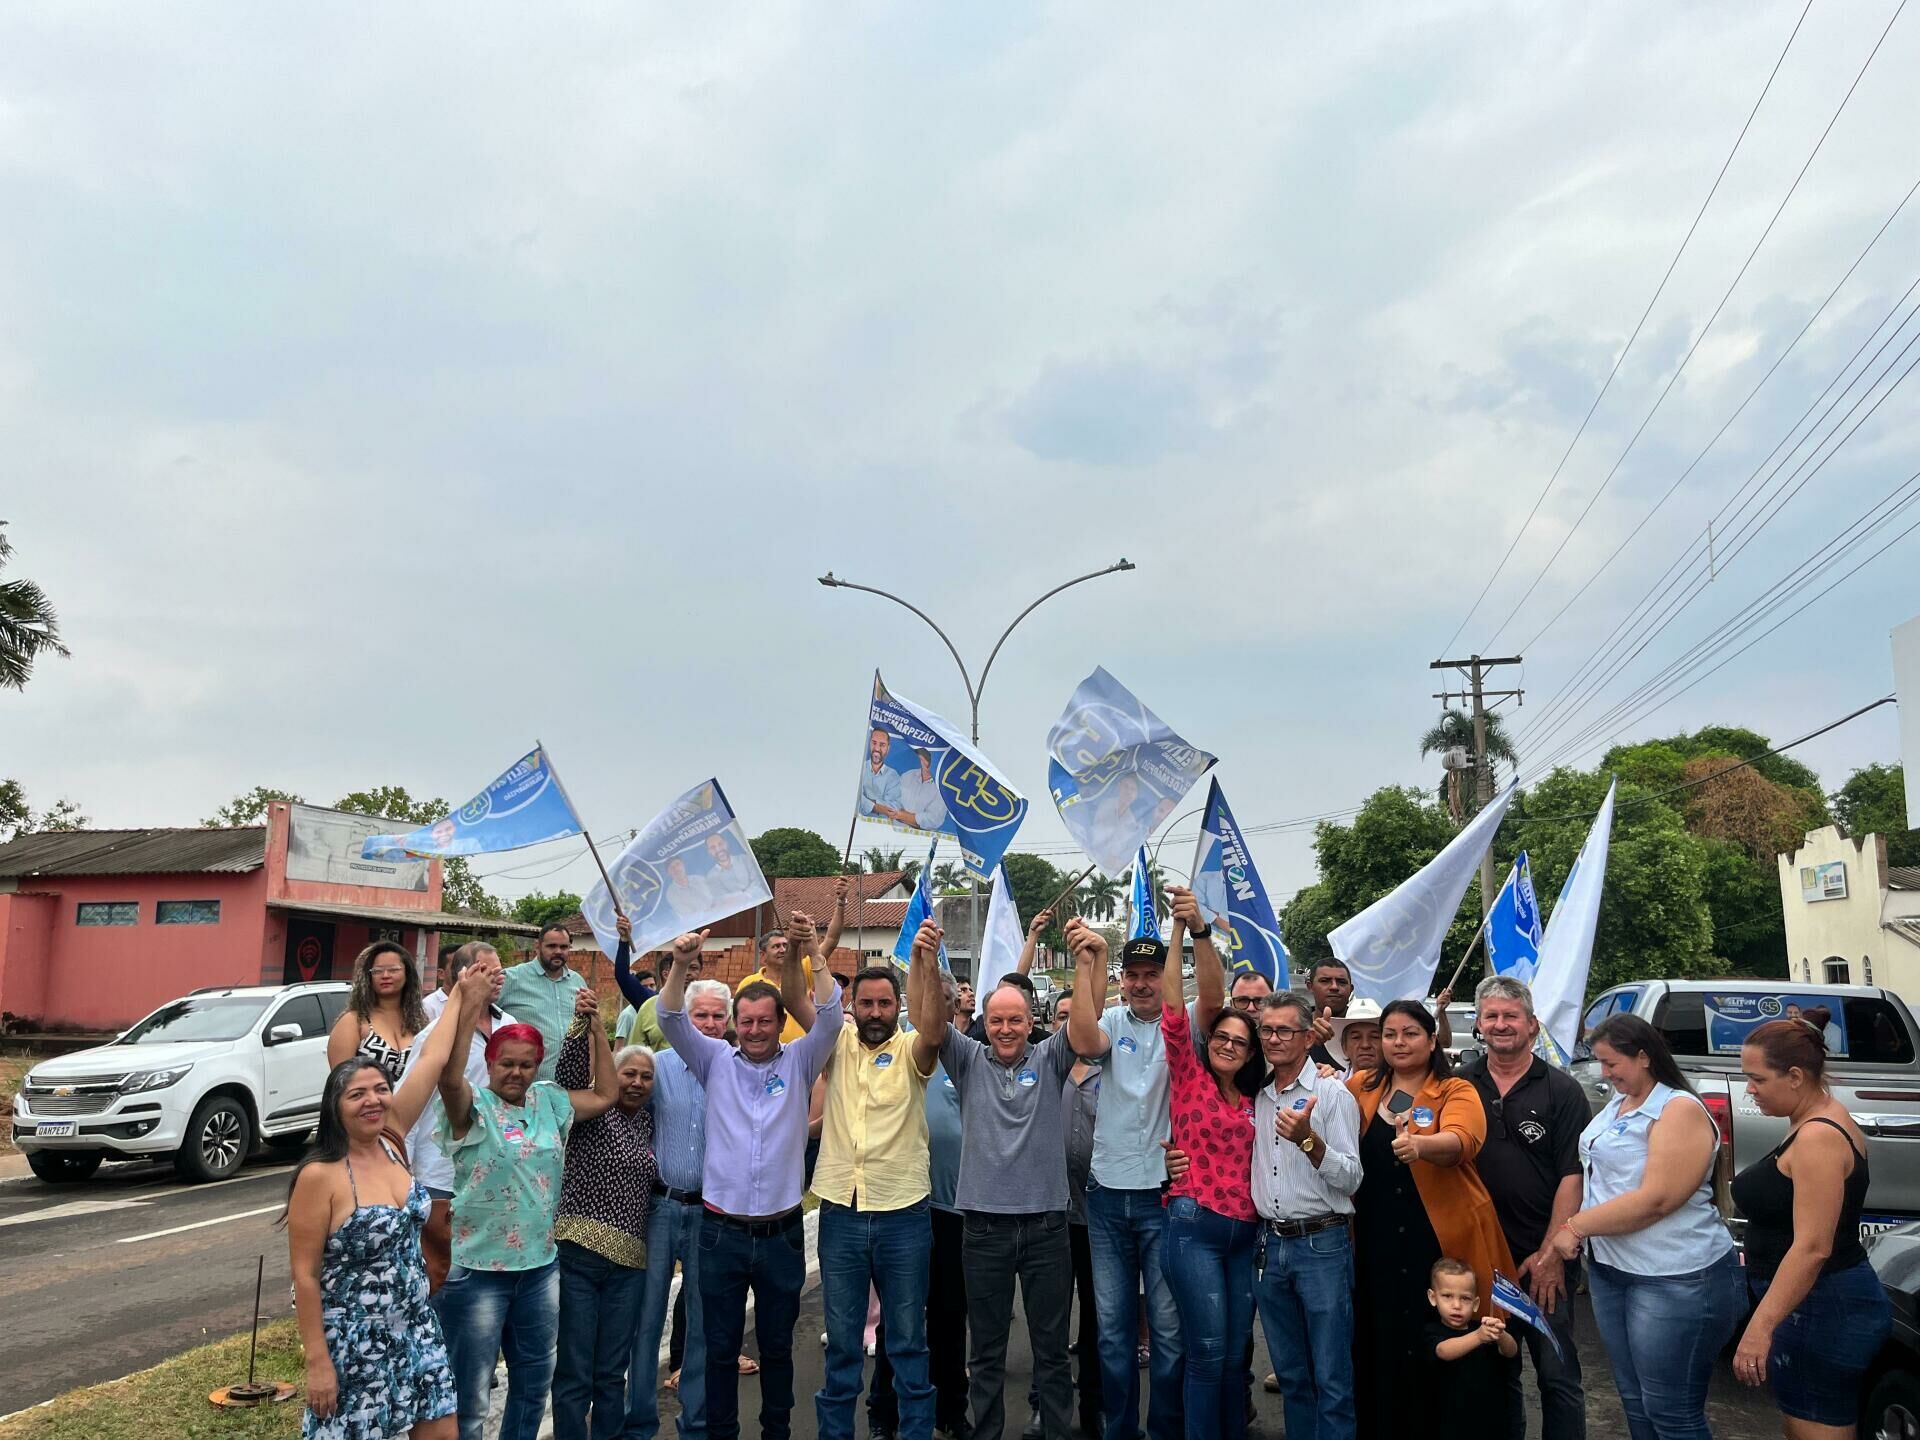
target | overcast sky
x=383, y=387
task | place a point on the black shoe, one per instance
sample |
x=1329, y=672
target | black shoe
x=878, y=1432
x=1034, y=1429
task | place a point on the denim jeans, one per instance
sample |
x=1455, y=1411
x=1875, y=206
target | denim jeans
x=1032, y=1249
x=946, y=1337
x=599, y=1306
x=1563, y=1403
x=887, y=1249
x=1124, y=1229
x=673, y=1233
x=734, y=1260
x=1208, y=1258
x=481, y=1309
x=1305, y=1295
x=1662, y=1334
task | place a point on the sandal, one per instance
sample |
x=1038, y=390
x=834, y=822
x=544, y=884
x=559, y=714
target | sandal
x=672, y=1382
x=749, y=1365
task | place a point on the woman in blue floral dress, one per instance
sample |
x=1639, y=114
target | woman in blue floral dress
x=376, y=1364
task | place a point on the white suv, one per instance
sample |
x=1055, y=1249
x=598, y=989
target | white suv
x=199, y=1079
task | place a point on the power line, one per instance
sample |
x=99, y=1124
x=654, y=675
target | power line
x=1628, y=347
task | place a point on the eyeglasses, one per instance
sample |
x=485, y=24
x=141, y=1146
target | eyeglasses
x=1280, y=1032
x=1245, y=1002
x=1235, y=1043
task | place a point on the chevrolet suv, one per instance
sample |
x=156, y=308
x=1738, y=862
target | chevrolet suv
x=200, y=1079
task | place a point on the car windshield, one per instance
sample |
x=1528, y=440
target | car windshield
x=198, y=1017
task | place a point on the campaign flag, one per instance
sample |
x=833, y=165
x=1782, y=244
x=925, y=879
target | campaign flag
x=919, y=911
x=1513, y=926
x=1146, y=910
x=1246, y=932
x=1515, y=1301
x=1000, y=945
x=1393, y=946
x=525, y=806
x=1566, y=951
x=689, y=866
x=1116, y=770
x=917, y=774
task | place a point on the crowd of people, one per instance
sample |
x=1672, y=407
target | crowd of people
x=492, y=1179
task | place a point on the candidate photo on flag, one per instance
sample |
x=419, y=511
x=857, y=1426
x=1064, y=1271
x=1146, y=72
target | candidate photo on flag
x=524, y=806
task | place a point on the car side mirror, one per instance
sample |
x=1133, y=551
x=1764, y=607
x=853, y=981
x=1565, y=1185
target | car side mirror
x=281, y=1034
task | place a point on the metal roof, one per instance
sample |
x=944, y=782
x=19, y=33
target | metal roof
x=135, y=852
x=1903, y=877
x=399, y=915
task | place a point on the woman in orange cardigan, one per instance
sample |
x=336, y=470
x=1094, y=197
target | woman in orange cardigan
x=1419, y=1199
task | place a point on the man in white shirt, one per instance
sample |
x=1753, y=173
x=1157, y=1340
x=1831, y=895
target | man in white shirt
x=920, y=802
x=1306, y=1168
x=725, y=878
x=686, y=894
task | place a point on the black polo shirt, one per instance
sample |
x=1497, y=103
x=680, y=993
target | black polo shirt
x=1533, y=1143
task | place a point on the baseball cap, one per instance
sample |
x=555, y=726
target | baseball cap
x=1144, y=950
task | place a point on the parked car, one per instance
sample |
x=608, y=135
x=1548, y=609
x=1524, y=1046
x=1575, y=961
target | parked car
x=1873, y=1069
x=1890, y=1396
x=200, y=1079
x=1045, y=992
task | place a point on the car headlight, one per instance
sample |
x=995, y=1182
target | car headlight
x=152, y=1079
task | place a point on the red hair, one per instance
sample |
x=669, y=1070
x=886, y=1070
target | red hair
x=516, y=1034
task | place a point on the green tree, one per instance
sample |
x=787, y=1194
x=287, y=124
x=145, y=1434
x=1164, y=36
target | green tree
x=1396, y=832
x=1454, y=730
x=248, y=809
x=880, y=862
x=1102, y=896
x=29, y=627
x=950, y=877
x=460, y=888
x=18, y=818
x=535, y=908
x=1034, y=883
x=787, y=851
x=1874, y=802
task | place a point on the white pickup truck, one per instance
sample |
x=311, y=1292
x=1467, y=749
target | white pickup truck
x=1873, y=1069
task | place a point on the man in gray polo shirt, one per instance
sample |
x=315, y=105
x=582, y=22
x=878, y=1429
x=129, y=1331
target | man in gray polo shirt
x=1012, y=1191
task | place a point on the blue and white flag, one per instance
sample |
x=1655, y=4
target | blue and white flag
x=1003, y=941
x=1566, y=951
x=690, y=865
x=919, y=911
x=1226, y=887
x=1513, y=926
x=523, y=807
x=1116, y=770
x=916, y=773
x=1392, y=947
x=1146, y=910
x=1515, y=1301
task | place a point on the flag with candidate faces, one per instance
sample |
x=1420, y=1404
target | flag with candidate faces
x=919, y=911
x=1146, y=910
x=917, y=774
x=689, y=866
x=1116, y=770
x=1227, y=888
x=1513, y=926
x=525, y=806
x=1566, y=950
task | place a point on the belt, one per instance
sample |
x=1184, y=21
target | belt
x=1294, y=1229
x=772, y=1225
x=685, y=1197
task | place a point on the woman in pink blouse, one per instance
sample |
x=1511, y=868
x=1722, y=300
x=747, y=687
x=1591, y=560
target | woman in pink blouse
x=1212, y=1229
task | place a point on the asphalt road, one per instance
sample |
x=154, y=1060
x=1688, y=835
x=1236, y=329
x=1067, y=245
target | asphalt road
x=104, y=1278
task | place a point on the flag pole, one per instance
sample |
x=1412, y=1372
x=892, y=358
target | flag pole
x=1072, y=885
x=554, y=770
x=1478, y=936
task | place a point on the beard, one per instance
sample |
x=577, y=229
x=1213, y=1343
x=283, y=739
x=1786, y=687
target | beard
x=876, y=1032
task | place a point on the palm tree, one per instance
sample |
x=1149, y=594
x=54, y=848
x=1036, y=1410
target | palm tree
x=1454, y=731
x=909, y=872
x=950, y=878
x=27, y=625
x=879, y=860
x=1102, y=896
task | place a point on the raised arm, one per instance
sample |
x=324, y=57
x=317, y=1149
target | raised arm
x=589, y=1103
x=926, y=1006
x=1442, y=1023
x=673, y=990
x=1035, y=929
x=631, y=989
x=838, y=921
x=426, y=1068
x=1089, y=951
x=456, y=1097
x=802, y=951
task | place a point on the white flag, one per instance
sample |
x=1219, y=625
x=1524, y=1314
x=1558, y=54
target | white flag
x=1393, y=946
x=1566, y=951
x=1000, y=945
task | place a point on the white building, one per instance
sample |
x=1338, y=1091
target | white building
x=1851, y=920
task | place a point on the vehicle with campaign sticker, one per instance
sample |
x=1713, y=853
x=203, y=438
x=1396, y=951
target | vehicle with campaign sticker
x=199, y=1080
x=1873, y=1069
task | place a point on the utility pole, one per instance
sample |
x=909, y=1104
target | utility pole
x=1474, y=669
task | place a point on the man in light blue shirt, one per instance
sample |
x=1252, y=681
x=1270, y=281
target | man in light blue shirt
x=920, y=802
x=540, y=993
x=879, y=782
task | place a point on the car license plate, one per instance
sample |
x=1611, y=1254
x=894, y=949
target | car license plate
x=54, y=1129
x=1876, y=1224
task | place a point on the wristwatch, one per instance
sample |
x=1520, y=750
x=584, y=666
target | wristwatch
x=1201, y=932
x=1309, y=1143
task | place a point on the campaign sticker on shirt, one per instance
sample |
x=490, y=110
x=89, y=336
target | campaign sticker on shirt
x=883, y=1060
x=1027, y=1078
x=1300, y=1104
x=948, y=1081
x=1127, y=1044
x=776, y=1086
x=512, y=1134
x=1422, y=1116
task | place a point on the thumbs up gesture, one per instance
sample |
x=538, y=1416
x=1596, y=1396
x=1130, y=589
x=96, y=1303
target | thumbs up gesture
x=1406, y=1144
x=1323, y=1025
x=1292, y=1125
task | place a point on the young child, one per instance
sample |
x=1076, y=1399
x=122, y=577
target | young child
x=1474, y=1360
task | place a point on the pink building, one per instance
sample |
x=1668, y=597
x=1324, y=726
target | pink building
x=97, y=927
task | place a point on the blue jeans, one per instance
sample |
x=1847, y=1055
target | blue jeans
x=599, y=1306
x=1663, y=1333
x=1209, y=1263
x=481, y=1309
x=733, y=1260
x=1305, y=1294
x=888, y=1249
x=1124, y=1229
x=673, y=1233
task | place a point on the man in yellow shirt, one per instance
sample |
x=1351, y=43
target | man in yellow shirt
x=873, y=1187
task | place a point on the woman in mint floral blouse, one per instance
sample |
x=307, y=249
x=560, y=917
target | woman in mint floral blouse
x=508, y=1146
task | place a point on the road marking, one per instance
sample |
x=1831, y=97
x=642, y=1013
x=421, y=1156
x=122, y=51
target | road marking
x=196, y=1225
x=71, y=1208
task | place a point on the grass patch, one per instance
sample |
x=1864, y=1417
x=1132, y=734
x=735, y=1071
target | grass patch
x=171, y=1399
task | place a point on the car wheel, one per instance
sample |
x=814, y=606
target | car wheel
x=1892, y=1411
x=64, y=1167
x=217, y=1140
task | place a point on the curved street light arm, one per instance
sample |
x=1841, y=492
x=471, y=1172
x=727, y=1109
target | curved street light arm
x=1122, y=564
x=833, y=581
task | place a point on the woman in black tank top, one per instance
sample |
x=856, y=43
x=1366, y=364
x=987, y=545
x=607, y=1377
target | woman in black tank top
x=1819, y=1315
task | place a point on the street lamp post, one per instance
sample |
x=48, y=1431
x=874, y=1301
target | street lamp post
x=973, y=689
